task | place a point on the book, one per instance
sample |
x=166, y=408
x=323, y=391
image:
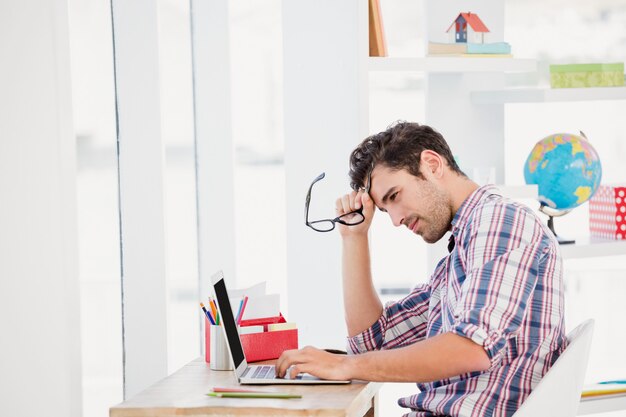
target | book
x=489, y=48
x=587, y=75
x=378, y=45
x=600, y=390
x=275, y=327
x=446, y=48
x=494, y=48
x=487, y=55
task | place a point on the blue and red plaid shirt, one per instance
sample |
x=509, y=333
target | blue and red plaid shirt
x=502, y=287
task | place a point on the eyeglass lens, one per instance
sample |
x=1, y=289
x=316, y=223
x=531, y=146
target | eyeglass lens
x=326, y=225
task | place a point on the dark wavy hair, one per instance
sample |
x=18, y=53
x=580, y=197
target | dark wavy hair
x=398, y=147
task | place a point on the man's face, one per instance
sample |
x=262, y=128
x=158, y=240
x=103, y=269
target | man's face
x=419, y=204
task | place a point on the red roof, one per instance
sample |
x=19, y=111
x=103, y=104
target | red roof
x=473, y=20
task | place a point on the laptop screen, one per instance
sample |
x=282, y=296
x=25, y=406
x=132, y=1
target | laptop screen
x=228, y=321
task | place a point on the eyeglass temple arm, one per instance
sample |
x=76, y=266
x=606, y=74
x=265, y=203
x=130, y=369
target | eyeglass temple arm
x=308, y=197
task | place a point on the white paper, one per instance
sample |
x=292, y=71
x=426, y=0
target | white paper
x=262, y=306
x=255, y=290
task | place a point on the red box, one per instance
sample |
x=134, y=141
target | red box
x=259, y=346
x=607, y=212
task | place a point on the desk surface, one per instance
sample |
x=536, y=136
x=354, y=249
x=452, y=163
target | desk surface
x=184, y=393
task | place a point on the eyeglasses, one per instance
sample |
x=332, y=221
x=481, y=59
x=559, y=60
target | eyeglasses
x=326, y=225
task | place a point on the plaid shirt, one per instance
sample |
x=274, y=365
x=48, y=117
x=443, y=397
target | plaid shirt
x=502, y=287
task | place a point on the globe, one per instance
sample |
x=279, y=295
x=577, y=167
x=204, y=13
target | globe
x=567, y=171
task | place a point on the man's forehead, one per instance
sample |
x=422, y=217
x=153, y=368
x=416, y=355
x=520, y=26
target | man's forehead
x=382, y=173
x=381, y=181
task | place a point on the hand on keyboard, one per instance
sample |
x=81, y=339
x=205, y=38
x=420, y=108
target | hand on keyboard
x=288, y=373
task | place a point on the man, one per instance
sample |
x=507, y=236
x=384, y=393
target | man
x=489, y=323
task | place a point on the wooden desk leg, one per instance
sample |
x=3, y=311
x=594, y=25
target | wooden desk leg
x=373, y=411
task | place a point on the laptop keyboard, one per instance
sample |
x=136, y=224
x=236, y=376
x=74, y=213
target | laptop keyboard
x=262, y=372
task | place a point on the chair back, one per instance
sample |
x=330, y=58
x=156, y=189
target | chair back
x=558, y=392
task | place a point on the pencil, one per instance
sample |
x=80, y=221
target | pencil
x=252, y=395
x=208, y=315
x=214, y=310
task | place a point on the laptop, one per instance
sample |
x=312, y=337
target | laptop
x=250, y=374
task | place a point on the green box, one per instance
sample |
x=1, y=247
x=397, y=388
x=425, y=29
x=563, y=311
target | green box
x=587, y=75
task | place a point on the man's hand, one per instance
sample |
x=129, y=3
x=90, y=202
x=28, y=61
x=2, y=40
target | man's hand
x=351, y=202
x=315, y=362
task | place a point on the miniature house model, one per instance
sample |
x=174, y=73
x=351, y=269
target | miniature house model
x=468, y=28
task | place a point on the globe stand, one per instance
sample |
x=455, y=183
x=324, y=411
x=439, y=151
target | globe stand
x=561, y=240
x=552, y=213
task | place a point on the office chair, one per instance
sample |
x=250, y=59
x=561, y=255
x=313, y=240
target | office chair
x=558, y=392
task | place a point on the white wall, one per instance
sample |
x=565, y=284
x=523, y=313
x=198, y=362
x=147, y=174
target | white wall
x=39, y=305
x=142, y=218
x=323, y=110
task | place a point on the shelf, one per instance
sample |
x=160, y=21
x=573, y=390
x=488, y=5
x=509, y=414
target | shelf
x=541, y=95
x=590, y=247
x=451, y=64
x=602, y=405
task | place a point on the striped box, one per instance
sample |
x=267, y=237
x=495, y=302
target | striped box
x=607, y=212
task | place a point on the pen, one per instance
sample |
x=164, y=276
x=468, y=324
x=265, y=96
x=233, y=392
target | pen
x=617, y=381
x=239, y=312
x=242, y=308
x=208, y=315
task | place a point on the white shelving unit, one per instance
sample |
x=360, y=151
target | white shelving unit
x=590, y=247
x=539, y=95
x=451, y=64
x=453, y=104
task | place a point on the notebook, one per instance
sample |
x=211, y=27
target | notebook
x=250, y=374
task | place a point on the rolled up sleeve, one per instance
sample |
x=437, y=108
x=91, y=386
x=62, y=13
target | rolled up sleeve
x=502, y=261
x=402, y=323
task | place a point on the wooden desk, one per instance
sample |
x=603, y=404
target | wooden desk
x=184, y=394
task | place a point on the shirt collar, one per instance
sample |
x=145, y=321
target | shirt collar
x=462, y=215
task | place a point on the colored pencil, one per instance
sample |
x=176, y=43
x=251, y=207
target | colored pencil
x=208, y=315
x=252, y=395
x=214, y=310
x=221, y=389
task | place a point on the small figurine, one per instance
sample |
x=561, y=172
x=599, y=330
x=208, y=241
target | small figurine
x=468, y=22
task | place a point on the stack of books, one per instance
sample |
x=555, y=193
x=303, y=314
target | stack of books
x=604, y=389
x=494, y=49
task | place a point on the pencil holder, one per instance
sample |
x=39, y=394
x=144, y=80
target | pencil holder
x=220, y=356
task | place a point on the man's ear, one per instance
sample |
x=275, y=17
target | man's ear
x=432, y=163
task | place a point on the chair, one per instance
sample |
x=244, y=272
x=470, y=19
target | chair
x=558, y=392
